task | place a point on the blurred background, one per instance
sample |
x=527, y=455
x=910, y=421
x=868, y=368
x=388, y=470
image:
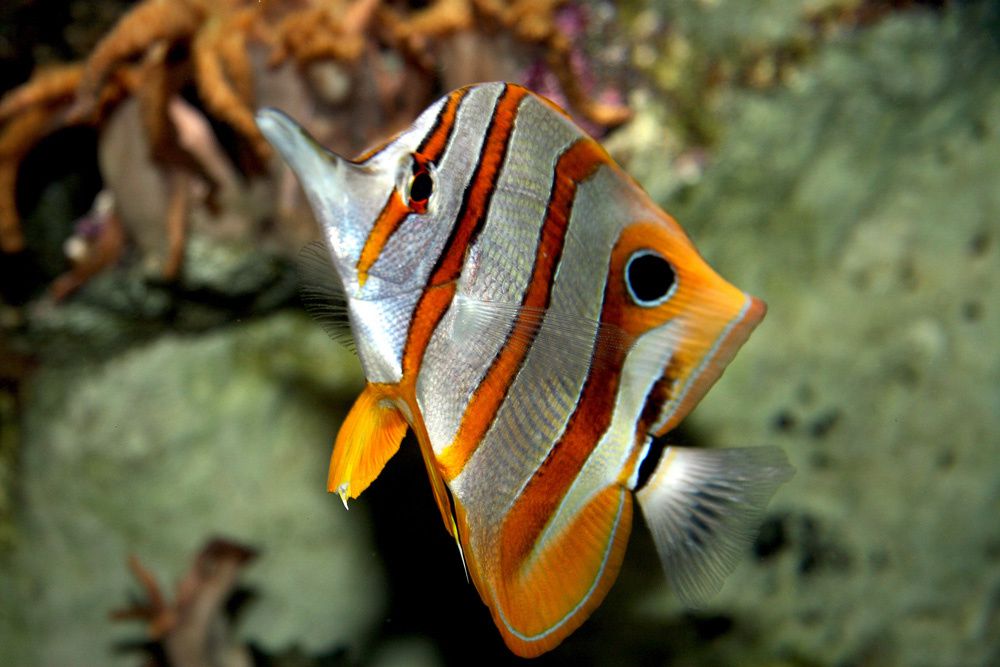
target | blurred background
x=167, y=408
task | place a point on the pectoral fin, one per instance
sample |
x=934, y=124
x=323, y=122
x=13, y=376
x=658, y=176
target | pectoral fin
x=368, y=438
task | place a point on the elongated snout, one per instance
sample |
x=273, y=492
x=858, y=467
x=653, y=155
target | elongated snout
x=322, y=173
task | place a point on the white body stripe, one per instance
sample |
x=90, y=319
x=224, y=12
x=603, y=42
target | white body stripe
x=604, y=465
x=382, y=313
x=547, y=388
x=497, y=271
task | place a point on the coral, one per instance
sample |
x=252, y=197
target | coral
x=96, y=244
x=228, y=54
x=194, y=628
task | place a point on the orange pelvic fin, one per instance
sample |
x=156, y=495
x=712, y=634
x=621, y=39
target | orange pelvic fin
x=368, y=438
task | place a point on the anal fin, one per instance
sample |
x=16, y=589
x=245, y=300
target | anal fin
x=539, y=597
x=704, y=507
x=368, y=438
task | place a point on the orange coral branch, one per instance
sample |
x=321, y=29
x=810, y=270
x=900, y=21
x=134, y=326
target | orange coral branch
x=155, y=610
x=533, y=21
x=608, y=115
x=161, y=46
x=145, y=24
x=218, y=94
x=232, y=50
x=395, y=31
x=49, y=86
x=153, y=97
x=324, y=32
x=11, y=238
x=177, y=223
x=411, y=34
x=188, y=628
x=17, y=138
x=442, y=18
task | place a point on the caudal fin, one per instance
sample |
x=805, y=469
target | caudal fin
x=704, y=507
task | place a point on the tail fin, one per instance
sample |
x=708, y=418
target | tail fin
x=703, y=508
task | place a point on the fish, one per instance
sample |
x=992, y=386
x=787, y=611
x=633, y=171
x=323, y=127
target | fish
x=521, y=305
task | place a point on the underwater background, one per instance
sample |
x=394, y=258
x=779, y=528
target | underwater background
x=167, y=408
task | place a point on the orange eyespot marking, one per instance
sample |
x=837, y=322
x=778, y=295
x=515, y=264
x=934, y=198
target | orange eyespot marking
x=421, y=185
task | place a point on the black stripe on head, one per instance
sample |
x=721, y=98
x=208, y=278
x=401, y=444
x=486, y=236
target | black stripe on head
x=447, y=248
x=466, y=225
x=548, y=228
x=462, y=96
x=661, y=392
x=649, y=464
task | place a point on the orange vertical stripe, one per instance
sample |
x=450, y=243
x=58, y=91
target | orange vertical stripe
x=441, y=286
x=575, y=165
x=541, y=497
x=480, y=190
x=588, y=423
x=388, y=221
x=395, y=209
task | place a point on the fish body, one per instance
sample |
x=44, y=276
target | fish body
x=540, y=324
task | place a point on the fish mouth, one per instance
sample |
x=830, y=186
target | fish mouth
x=728, y=341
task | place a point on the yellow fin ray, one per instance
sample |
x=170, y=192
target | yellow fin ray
x=368, y=438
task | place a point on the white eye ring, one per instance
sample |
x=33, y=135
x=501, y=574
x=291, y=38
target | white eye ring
x=649, y=278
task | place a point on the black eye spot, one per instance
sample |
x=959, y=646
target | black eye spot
x=421, y=185
x=649, y=278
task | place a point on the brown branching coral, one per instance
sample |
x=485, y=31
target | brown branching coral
x=149, y=24
x=233, y=56
x=324, y=32
x=49, y=87
x=193, y=629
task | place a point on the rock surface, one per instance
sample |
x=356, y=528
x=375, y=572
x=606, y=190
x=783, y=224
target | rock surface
x=857, y=193
x=171, y=443
x=862, y=203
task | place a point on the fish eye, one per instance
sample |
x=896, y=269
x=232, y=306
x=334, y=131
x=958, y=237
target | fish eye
x=421, y=185
x=649, y=278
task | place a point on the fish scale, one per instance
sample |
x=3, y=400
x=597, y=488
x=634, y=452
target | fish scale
x=498, y=316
